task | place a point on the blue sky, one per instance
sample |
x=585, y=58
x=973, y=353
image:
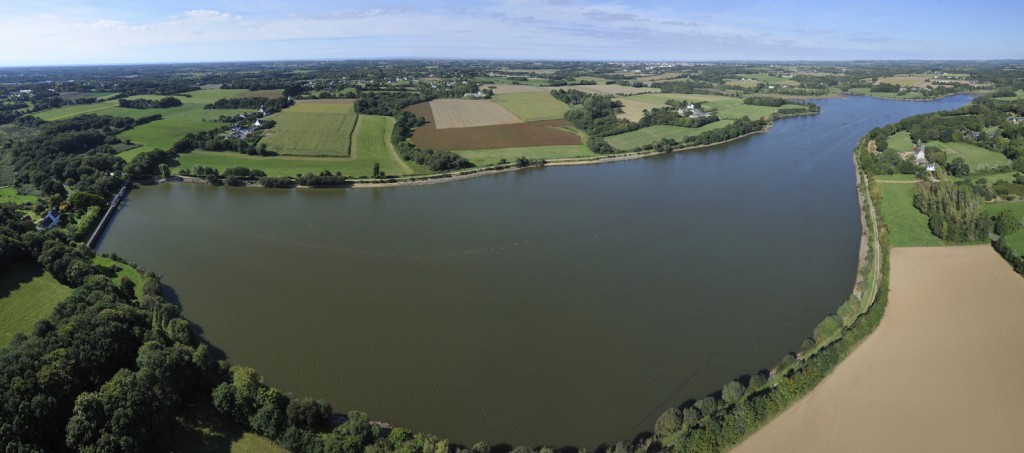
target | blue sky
x=120, y=31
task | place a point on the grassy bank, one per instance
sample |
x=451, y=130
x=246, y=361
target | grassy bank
x=27, y=294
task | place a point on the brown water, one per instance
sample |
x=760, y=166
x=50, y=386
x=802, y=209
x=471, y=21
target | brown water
x=557, y=306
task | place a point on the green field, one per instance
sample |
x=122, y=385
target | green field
x=1020, y=95
x=991, y=178
x=977, y=158
x=770, y=79
x=1016, y=241
x=27, y=294
x=485, y=157
x=372, y=143
x=896, y=178
x=312, y=129
x=10, y=195
x=124, y=270
x=907, y=226
x=648, y=135
x=190, y=117
x=729, y=108
x=868, y=92
x=533, y=106
x=484, y=81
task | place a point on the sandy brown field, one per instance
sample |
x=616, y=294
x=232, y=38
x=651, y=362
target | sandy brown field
x=456, y=113
x=942, y=373
x=634, y=110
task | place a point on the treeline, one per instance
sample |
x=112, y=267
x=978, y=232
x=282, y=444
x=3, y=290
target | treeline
x=213, y=141
x=77, y=151
x=269, y=105
x=405, y=122
x=955, y=213
x=684, y=86
x=387, y=103
x=670, y=116
x=143, y=103
x=594, y=113
x=764, y=101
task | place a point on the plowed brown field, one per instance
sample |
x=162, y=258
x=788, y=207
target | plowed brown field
x=538, y=133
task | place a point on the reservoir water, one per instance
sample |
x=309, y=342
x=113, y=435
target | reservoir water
x=554, y=306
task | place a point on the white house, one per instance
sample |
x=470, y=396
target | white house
x=257, y=123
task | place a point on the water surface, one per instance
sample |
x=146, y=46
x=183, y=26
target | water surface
x=557, y=306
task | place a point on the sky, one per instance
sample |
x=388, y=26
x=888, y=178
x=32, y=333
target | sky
x=70, y=32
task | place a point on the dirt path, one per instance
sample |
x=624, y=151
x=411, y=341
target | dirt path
x=942, y=373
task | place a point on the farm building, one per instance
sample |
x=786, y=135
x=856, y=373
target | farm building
x=51, y=220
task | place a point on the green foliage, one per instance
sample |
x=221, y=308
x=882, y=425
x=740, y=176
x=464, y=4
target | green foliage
x=1006, y=223
x=827, y=329
x=84, y=200
x=764, y=101
x=955, y=213
x=669, y=422
x=732, y=392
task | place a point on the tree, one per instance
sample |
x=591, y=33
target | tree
x=958, y=167
x=732, y=392
x=669, y=422
x=165, y=171
x=827, y=329
x=308, y=413
x=1006, y=223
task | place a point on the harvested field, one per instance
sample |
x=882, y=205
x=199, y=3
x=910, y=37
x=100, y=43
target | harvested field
x=261, y=94
x=941, y=374
x=634, y=110
x=539, y=133
x=459, y=113
x=325, y=101
x=533, y=106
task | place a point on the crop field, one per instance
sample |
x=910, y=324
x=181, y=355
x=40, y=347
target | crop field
x=908, y=227
x=749, y=83
x=907, y=80
x=484, y=157
x=73, y=95
x=261, y=94
x=533, y=106
x=371, y=142
x=27, y=294
x=537, y=133
x=532, y=81
x=648, y=135
x=459, y=113
x=868, y=92
x=312, y=129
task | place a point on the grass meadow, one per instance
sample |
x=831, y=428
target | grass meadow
x=372, y=143
x=27, y=294
x=10, y=195
x=312, y=129
x=124, y=270
x=648, y=135
x=908, y=227
x=533, y=106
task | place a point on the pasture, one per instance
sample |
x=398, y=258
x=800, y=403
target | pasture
x=728, y=107
x=190, y=117
x=770, y=79
x=485, y=157
x=509, y=89
x=886, y=95
x=651, y=134
x=311, y=128
x=371, y=142
x=907, y=226
x=977, y=158
x=633, y=110
x=907, y=80
x=533, y=106
x=27, y=294
x=10, y=195
x=123, y=270
x=458, y=113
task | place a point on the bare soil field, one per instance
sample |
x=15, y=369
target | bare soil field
x=941, y=374
x=458, y=113
x=537, y=133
